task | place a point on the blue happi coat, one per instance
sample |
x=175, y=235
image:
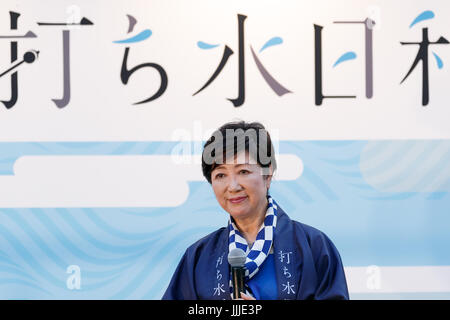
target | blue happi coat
x=307, y=265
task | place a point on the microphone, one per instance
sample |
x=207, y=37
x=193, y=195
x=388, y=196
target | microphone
x=236, y=259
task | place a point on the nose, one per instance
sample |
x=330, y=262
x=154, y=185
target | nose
x=233, y=184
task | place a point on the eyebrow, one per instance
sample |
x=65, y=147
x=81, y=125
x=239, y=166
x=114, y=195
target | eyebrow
x=241, y=164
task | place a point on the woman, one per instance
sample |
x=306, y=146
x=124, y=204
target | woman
x=285, y=259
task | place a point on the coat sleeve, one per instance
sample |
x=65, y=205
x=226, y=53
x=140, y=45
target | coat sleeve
x=330, y=271
x=181, y=287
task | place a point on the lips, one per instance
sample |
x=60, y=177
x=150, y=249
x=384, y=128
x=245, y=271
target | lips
x=237, y=200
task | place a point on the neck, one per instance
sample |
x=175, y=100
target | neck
x=249, y=226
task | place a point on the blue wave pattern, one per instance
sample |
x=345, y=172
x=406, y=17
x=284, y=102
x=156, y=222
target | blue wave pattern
x=346, y=190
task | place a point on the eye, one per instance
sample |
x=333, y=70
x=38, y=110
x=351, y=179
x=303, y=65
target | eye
x=244, y=171
x=219, y=175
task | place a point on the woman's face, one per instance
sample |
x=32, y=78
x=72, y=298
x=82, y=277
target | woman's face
x=240, y=187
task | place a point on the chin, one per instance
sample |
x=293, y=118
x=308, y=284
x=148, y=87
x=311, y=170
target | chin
x=236, y=213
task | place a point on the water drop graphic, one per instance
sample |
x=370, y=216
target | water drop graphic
x=439, y=62
x=345, y=57
x=272, y=42
x=143, y=35
x=206, y=46
x=426, y=15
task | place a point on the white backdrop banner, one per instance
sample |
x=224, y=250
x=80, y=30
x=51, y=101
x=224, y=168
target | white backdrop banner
x=105, y=106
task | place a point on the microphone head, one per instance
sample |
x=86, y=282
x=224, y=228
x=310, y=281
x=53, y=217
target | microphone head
x=237, y=257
